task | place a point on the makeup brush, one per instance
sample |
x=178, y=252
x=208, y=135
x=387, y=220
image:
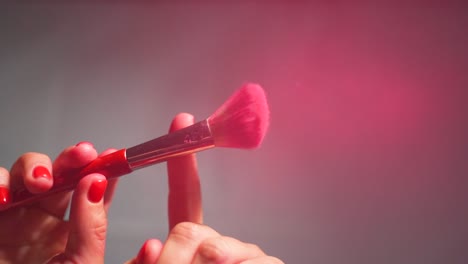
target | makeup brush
x=241, y=122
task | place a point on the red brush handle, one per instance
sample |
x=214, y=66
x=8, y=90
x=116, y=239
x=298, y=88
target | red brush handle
x=111, y=166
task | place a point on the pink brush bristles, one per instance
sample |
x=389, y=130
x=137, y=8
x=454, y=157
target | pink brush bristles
x=242, y=121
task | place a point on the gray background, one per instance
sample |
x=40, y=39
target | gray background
x=366, y=157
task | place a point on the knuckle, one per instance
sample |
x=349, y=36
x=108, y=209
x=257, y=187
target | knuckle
x=99, y=226
x=213, y=250
x=185, y=232
x=100, y=232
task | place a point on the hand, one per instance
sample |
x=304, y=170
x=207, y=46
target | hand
x=189, y=241
x=38, y=233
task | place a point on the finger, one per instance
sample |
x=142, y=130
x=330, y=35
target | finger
x=111, y=184
x=33, y=172
x=88, y=221
x=183, y=241
x=72, y=157
x=149, y=253
x=223, y=249
x=4, y=187
x=184, y=204
x=263, y=260
x=75, y=156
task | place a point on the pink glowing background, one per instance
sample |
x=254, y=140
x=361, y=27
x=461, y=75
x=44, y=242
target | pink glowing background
x=366, y=157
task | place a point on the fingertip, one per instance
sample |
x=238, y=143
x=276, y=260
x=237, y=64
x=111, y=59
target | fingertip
x=97, y=189
x=181, y=120
x=76, y=156
x=34, y=170
x=42, y=179
x=82, y=153
x=85, y=144
x=149, y=252
x=93, y=187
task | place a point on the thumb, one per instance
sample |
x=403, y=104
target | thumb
x=88, y=222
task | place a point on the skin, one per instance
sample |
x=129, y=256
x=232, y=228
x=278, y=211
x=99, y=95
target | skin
x=38, y=233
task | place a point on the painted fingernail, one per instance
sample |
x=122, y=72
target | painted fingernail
x=4, y=195
x=96, y=190
x=85, y=143
x=41, y=172
x=141, y=254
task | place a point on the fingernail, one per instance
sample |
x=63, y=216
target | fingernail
x=96, y=190
x=141, y=254
x=4, y=195
x=41, y=172
x=86, y=143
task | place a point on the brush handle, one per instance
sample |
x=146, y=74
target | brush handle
x=111, y=166
x=185, y=141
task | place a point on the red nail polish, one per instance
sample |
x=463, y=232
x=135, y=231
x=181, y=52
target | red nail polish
x=141, y=254
x=41, y=172
x=4, y=195
x=84, y=143
x=96, y=190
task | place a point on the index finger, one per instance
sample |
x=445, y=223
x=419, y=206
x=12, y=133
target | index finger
x=185, y=204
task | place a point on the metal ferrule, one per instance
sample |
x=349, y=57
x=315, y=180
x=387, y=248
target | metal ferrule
x=185, y=141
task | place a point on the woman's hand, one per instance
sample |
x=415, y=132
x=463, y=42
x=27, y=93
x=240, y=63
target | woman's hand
x=190, y=241
x=38, y=233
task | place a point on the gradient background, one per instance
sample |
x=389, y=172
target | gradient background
x=366, y=160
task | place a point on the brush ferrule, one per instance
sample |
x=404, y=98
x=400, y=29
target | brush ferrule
x=185, y=141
